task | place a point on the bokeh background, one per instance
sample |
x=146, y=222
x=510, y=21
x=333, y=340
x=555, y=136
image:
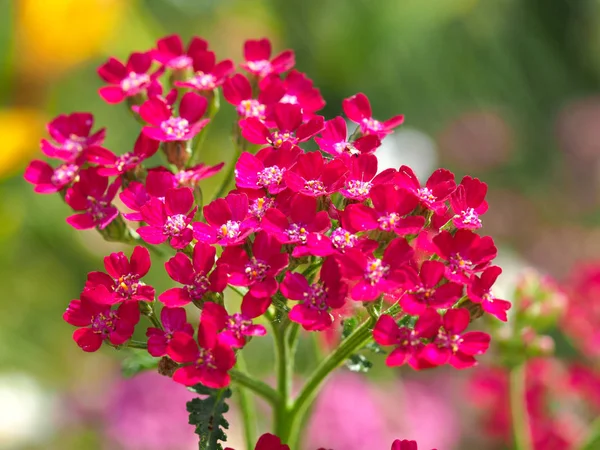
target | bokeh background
x=508, y=91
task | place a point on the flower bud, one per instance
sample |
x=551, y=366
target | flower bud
x=177, y=153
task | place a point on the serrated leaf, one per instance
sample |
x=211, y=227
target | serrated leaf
x=207, y=414
x=348, y=326
x=138, y=362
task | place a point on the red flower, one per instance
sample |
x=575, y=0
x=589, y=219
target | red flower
x=453, y=346
x=315, y=301
x=299, y=91
x=170, y=52
x=468, y=203
x=480, y=291
x=361, y=177
x=166, y=127
x=423, y=289
x=266, y=169
x=465, y=252
x=173, y=320
x=391, y=207
x=93, y=196
x=229, y=222
x=233, y=328
x=257, y=54
x=436, y=191
x=98, y=322
x=169, y=220
x=257, y=271
x=48, y=180
x=333, y=140
x=124, y=277
x=206, y=361
x=290, y=129
x=295, y=227
x=112, y=165
x=238, y=91
x=408, y=342
x=376, y=276
x=126, y=80
x=195, y=275
x=358, y=110
x=314, y=177
x=71, y=136
x=208, y=74
x=192, y=176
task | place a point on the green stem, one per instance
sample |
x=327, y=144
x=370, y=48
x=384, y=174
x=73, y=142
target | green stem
x=229, y=174
x=592, y=440
x=247, y=407
x=137, y=344
x=258, y=387
x=284, y=367
x=518, y=408
x=213, y=109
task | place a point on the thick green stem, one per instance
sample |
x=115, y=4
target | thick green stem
x=285, y=369
x=213, y=109
x=258, y=387
x=247, y=407
x=518, y=408
x=229, y=174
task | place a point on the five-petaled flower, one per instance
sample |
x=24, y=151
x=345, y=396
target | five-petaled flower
x=358, y=109
x=126, y=80
x=172, y=320
x=257, y=54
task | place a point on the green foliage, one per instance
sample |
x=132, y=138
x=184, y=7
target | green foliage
x=207, y=414
x=358, y=363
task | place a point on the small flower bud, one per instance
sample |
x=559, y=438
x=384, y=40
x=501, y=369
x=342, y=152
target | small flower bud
x=166, y=366
x=177, y=153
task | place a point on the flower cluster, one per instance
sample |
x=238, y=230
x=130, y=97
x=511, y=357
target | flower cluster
x=309, y=235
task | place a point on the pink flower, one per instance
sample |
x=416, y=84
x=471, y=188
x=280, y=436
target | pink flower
x=238, y=91
x=376, y=276
x=111, y=165
x=290, y=129
x=229, y=222
x=423, y=289
x=268, y=442
x=314, y=177
x=480, y=291
x=361, y=177
x=123, y=277
x=338, y=242
x=71, y=136
x=358, y=110
x=126, y=80
x=166, y=127
x=195, y=275
x=192, y=176
x=436, y=191
x=468, y=203
x=453, y=346
x=259, y=270
x=208, y=74
x=235, y=328
x=170, y=52
x=465, y=252
x=258, y=202
x=391, y=207
x=97, y=322
x=295, y=227
x=173, y=320
x=317, y=299
x=134, y=196
x=299, y=91
x=266, y=169
x=404, y=445
x=48, y=180
x=169, y=220
x=408, y=342
x=333, y=140
x=206, y=362
x=257, y=54
x=93, y=195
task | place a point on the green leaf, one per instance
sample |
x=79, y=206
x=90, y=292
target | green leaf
x=207, y=415
x=136, y=362
x=348, y=326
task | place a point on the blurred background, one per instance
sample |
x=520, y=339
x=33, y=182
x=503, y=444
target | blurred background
x=508, y=91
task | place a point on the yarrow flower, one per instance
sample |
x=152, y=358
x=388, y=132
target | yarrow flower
x=299, y=235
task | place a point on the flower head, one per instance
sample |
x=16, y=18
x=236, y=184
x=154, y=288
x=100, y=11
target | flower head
x=439, y=186
x=358, y=110
x=233, y=329
x=257, y=54
x=169, y=51
x=266, y=169
x=71, y=136
x=169, y=220
x=333, y=140
x=208, y=74
x=112, y=165
x=480, y=291
x=312, y=176
x=173, y=320
x=126, y=80
x=468, y=203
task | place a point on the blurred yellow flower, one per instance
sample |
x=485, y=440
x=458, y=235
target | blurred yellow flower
x=20, y=130
x=54, y=35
